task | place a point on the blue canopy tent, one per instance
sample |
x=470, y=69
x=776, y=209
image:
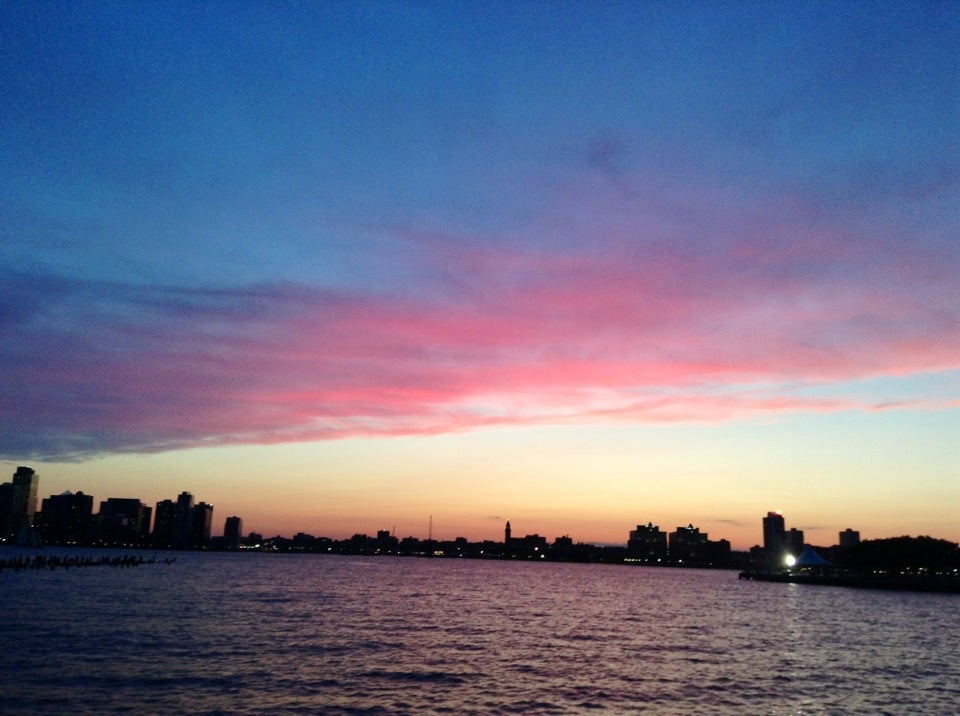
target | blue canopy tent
x=810, y=558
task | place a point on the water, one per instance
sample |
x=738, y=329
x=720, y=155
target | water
x=274, y=634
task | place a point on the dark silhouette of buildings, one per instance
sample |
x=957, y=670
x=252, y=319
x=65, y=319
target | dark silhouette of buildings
x=688, y=544
x=201, y=525
x=124, y=521
x=905, y=555
x=183, y=524
x=793, y=542
x=164, y=519
x=527, y=546
x=849, y=538
x=25, y=483
x=6, y=511
x=232, y=533
x=902, y=563
x=779, y=543
x=66, y=518
x=183, y=521
x=647, y=544
x=774, y=538
x=18, y=505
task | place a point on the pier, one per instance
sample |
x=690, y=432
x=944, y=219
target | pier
x=943, y=582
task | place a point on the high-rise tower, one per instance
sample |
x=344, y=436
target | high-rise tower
x=183, y=521
x=232, y=533
x=774, y=535
x=23, y=499
x=202, y=524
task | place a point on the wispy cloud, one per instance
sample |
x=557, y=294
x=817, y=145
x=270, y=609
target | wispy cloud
x=633, y=325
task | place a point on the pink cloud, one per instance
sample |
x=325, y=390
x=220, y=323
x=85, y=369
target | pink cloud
x=628, y=325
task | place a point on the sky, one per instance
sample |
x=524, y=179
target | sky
x=340, y=267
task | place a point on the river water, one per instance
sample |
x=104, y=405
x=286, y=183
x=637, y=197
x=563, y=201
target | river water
x=274, y=634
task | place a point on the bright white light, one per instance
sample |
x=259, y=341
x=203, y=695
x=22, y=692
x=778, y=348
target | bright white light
x=790, y=560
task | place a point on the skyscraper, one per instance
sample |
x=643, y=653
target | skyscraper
x=183, y=521
x=202, y=525
x=774, y=536
x=164, y=519
x=24, y=503
x=18, y=504
x=232, y=533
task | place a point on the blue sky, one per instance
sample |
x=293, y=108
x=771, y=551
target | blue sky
x=246, y=226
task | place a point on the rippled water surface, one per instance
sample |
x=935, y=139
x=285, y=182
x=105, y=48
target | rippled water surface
x=270, y=634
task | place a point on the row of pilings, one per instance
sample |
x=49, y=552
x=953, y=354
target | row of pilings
x=42, y=562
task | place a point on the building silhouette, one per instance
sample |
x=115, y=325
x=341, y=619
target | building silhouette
x=849, y=538
x=124, y=521
x=181, y=524
x=6, y=510
x=18, y=504
x=774, y=537
x=506, y=534
x=66, y=518
x=232, y=533
x=163, y=524
x=182, y=532
x=647, y=544
x=201, y=526
x=528, y=546
x=25, y=484
x=793, y=542
x=688, y=544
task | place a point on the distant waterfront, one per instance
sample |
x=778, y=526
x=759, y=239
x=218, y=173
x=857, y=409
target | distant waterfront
x=68, y=520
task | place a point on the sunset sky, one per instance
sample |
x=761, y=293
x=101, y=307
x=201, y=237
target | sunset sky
x=338, y=267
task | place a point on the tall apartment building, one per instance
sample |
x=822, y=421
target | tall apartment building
x=164, y=518
x=124, y=521
x=647, y=543
x=18, y=503
x=232, y=533
x=774, y=535
x=689, y=544
x=849, y=538
x=793, y=541
x=66, y=518
x=202, y=525
x=183, y=521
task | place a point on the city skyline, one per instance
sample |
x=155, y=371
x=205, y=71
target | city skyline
x=174, y=524
x=335, y=265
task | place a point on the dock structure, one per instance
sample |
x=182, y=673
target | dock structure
x=943, y=582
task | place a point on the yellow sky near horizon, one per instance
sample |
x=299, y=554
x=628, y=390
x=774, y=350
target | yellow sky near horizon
x=884, y=474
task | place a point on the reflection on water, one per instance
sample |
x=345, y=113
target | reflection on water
x=266, y=634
